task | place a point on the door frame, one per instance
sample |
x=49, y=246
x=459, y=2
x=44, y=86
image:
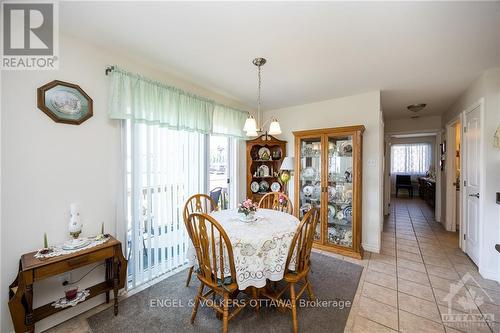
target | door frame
x=463, y=225
x=439, y=196
x=450, y=167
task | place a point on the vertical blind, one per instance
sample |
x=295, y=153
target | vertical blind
x=164, y=167
x=410, y=158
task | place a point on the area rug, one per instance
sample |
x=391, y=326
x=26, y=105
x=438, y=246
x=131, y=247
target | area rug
x=167, y=305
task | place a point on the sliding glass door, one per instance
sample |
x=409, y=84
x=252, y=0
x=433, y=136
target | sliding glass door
x=221, y=170
x=164, y=167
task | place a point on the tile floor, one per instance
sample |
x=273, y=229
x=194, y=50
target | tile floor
x=404, y=288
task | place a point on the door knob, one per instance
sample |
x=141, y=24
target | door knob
x=474, y=195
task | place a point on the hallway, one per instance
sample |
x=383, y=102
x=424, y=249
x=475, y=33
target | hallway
x=406, y=286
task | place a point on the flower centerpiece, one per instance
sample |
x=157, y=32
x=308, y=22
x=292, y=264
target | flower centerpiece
x=247, y=210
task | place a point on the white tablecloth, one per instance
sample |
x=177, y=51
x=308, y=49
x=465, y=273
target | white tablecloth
x=260, y=248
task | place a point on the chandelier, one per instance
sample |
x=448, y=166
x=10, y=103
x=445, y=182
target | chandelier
x=253, y=127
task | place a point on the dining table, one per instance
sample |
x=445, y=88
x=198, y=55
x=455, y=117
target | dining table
x=260, y=248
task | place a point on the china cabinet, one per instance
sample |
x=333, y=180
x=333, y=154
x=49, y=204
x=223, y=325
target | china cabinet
x=264, y=157
x=328, y=176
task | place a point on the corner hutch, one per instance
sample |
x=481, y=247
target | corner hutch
x=264, y=157
x=328, y=176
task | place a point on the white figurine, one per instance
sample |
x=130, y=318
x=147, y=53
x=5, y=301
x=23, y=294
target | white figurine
x=75, y=222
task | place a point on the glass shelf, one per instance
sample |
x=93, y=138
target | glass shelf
x=309, y=177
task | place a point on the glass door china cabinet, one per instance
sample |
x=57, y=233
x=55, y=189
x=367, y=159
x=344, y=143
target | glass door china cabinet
x=328, y=177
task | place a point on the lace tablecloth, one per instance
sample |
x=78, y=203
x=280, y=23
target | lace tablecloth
x=260, y=248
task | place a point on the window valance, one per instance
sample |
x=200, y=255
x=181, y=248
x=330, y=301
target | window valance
x=141, y=99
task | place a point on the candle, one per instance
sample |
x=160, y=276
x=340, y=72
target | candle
x=45, y=241
x=102, y=228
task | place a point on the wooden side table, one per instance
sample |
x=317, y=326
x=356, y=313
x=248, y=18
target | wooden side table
x=32, y=270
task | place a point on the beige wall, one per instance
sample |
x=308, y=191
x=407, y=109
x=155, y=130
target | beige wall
x=363, y=109
x=46, y=166
x=486, y=87
x=413, y=125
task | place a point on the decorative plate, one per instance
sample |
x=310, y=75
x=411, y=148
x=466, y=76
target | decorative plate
x=341, y=222
x=347, y=212
x=254, y=186
x=264, y=153
x=275, y=187
x=332, y=191
x=308, y=190
x=332, y=148
x=307, y=150
x=340, y=215
x=264, y=171
x=76, y=244
x=316, y=192
x=309, y=173
x=263, y=186
x=346, y=147
x=348, y=175
x=331, y=211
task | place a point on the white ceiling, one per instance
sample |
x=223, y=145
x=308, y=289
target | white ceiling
x=422, y=52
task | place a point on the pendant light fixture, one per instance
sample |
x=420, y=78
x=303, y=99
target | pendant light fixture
x=253, y=127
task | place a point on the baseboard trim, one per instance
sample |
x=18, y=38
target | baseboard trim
x=488, y=274
x=371, y=247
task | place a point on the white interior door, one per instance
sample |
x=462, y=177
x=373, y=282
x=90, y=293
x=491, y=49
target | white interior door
x=472, y=190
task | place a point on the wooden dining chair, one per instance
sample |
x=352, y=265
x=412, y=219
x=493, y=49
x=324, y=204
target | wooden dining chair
x=300, y=254
x=198, y=203
x=216, y=266
x=271, y=201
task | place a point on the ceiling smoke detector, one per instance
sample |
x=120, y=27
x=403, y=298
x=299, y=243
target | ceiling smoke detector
x=416, y=107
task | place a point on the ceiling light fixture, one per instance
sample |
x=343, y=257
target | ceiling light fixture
x=253, y=127
x=416, y=107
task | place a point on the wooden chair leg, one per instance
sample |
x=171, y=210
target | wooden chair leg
x=294, y=308
x=310, y=290
x=255, y=296
x=189, y=275
x=225, y=316
x=197, y=302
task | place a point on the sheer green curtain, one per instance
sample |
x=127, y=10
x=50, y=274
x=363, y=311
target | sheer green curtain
x=143, y=100
x=229, y=121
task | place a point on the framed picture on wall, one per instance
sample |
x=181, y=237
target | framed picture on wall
x=64, y=102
